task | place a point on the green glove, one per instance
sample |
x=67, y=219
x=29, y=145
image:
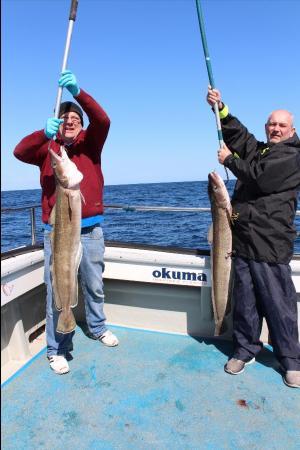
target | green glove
x=69, y=81
x=52, y=127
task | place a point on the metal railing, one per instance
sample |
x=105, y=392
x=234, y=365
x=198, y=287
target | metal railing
x=156, y=208
x=32, y=209
x=127, y=208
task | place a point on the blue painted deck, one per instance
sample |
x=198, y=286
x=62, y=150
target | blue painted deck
x=155, y=391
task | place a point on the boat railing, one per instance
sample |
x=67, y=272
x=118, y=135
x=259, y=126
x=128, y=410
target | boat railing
x=127, y=208
x=156, y=208
x=31, y=209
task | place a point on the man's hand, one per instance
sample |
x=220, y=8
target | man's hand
x=68, y=80
x=223, y=152
x=214, y=96
x=52, y=127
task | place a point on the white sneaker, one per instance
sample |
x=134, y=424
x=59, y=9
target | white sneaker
x=109, y=339
x=59, y=364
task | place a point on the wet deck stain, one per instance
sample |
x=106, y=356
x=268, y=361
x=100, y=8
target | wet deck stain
x=179, y=405
x=93, y=372
x=248, y=404
x=242, y=403
x=103, y=384
x=71, y=419
x=160, y=376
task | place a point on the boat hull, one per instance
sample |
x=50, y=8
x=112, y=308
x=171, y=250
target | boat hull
x=146, y=287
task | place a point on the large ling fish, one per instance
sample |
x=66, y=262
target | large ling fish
x=220, y=238
x=65, y=239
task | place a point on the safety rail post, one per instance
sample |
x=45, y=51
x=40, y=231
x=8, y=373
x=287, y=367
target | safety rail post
x=32, y=219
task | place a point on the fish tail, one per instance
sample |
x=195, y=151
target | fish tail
x=66, y=322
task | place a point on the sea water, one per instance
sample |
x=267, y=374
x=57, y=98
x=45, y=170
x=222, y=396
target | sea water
x=178, y=229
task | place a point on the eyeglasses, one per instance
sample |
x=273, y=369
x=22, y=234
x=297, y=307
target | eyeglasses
x=74, y=120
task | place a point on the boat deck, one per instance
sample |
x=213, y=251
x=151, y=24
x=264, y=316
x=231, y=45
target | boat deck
x=154, y=391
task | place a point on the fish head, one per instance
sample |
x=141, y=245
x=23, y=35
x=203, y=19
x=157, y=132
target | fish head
x=65, y=170
x=217, y=191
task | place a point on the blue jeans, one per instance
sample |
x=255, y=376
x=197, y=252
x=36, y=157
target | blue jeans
x=90, y=276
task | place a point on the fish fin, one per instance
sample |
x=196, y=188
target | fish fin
x=77, y=263
x=217, y=329
x=210, y=234
x=230, y=292
x=73, y=199
x=82, y=198
x=56, y=156
x=57, y=302
x=220, y=328
x=66, y=322
x=52, y=216
x=72, y=202
x=229, y=217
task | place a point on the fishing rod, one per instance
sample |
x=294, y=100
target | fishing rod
x=72, y=18
x=210, y=74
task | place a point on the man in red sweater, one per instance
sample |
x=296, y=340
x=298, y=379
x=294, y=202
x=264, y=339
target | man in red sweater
x=84, y=147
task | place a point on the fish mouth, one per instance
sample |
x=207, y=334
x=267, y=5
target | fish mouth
x=213, y=178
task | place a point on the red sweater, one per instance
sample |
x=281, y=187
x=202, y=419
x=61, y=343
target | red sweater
x=85, y=152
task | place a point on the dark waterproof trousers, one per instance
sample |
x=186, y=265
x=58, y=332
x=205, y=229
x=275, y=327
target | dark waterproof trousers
x=265, y=290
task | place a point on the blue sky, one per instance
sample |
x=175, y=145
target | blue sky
x=142, y=60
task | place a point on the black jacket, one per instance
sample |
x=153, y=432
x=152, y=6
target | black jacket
x=265, y=196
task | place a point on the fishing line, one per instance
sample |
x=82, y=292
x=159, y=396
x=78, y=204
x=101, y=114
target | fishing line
x=210, y=76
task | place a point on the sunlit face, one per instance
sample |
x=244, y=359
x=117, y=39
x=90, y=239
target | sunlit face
x=71, y=126
x=279, y=126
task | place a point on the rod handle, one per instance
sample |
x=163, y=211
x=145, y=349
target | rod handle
x=73, y=10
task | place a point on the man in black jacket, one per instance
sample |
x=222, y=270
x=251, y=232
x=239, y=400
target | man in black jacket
x=264, y=204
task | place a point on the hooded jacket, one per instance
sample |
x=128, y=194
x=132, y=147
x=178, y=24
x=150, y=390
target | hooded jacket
x=85, y=152
x=266, y=192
